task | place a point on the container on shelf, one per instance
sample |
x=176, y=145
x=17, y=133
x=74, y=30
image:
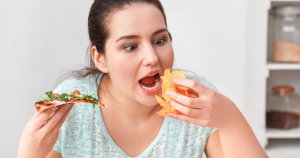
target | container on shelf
x=286, y=23
x=283, y=108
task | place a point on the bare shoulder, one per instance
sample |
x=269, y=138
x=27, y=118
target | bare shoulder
x=54, y=154
x=213, y=147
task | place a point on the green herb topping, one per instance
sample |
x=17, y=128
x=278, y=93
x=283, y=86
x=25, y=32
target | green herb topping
x=69, y=96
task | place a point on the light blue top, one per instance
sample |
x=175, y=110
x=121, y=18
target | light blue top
x=84, y=135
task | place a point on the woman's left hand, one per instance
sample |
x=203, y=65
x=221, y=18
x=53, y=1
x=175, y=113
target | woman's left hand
x=210, y=109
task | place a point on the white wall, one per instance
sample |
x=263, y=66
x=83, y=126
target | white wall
x=210, y=40
x=255, y=66
x=38, y=38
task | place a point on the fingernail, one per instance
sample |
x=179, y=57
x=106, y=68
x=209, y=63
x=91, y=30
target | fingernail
x=54, y=108
x=170, y=92
x=171, y=102
x=174, y=79
x=170, y=115
x=67, y=106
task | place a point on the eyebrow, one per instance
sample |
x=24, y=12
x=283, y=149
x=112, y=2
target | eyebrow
x=135, y=36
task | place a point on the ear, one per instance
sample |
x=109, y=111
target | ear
x=99, y=60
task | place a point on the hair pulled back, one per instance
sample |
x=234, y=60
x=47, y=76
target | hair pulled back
x=98, y=19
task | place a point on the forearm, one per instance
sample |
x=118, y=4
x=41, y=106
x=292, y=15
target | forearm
x=238, y=140
x=212, y=109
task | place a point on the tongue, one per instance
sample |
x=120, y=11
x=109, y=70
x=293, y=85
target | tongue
x=148, y=80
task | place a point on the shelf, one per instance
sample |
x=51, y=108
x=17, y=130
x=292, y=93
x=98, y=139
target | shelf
x=286, y=1
x=278, y=148
x=283, y=66
x=277, y=133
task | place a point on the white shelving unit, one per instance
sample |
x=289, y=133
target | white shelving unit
x=262, y=74
x=281, y=142
x=287, y=148
x=277, y=133
x=282, y=66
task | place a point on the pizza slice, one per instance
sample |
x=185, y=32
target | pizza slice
x=54, y=99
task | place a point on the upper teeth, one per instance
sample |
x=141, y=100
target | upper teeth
x=151, y=75
x=148, y=88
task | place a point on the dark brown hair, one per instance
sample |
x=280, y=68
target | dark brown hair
x=100, y=12
x=99, y=15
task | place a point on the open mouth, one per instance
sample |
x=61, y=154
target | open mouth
x=150, y=84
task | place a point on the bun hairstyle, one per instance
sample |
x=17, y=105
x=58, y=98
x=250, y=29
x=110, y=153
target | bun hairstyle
x=99, y=15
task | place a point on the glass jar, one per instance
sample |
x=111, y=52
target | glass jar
x=283, y=108
x=286, y=23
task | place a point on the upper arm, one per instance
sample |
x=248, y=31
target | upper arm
x=213, y=148
x=54, y=154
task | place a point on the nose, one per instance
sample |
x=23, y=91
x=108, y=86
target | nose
x=150, y=57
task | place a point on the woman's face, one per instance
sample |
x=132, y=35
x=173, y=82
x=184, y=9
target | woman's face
x=138, y=46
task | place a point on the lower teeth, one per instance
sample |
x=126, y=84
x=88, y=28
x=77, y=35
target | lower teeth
x=148, y=88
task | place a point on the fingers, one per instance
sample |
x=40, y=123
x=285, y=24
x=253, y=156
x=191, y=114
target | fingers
x=185, y=110
x=61, y=121
x=34, y=116
x=191, y=91
x=192, y=84
x=42, y=117
x=184, y=118
x=194, y=120
x=55, y=119
x=187, y=101
x=189, y=119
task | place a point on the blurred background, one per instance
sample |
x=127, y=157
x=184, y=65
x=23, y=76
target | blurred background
x=228, y=42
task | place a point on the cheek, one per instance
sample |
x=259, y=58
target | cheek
x=167, y=58
x=126, y=66
x=122, y=69
x=119, y=63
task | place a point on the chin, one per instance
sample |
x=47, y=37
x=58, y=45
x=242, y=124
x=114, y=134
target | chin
x=149, y=102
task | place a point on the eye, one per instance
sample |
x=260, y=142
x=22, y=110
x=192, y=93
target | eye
x=130, y=48
x=159, y=42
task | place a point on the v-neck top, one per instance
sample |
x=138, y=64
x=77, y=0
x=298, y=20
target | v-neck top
x=84, y=134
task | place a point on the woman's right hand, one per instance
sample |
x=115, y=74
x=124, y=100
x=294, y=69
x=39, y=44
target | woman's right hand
x=39, y=138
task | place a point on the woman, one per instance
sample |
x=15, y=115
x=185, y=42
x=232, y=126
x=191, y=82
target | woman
x=131, y=48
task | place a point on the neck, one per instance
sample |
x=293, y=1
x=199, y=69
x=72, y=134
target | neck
x=121, y=106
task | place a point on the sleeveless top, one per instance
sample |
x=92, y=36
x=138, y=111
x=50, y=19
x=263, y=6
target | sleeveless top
x=84, y=135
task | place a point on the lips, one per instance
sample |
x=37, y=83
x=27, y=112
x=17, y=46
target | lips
x=153, y=88
x=152, y=73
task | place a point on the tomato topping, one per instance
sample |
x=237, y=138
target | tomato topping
x=56, y=95
x=47, y=104
x=76, y=92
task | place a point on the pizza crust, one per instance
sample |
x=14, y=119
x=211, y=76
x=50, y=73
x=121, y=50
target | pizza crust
x=39, y=106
